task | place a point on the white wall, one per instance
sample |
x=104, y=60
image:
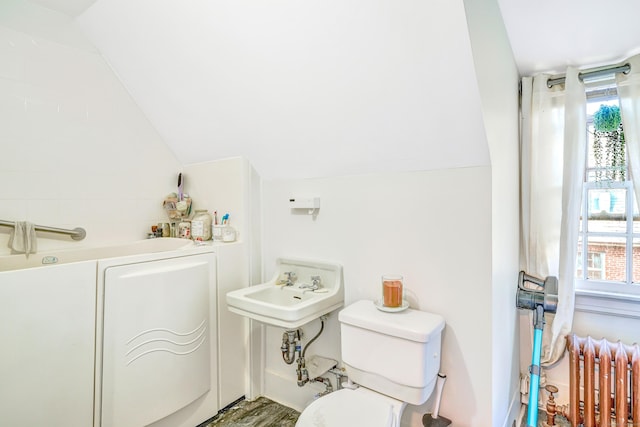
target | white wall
x=433, y=227
x=231, y=186
x=498, y=83
x=228, y=186
x=76, y=150
x=222, y=186
x=374, y=107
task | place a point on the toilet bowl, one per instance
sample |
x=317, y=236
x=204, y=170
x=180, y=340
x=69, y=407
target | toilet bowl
x=350, y=408
x=393, y=357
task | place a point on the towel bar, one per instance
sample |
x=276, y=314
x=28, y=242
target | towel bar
x=76, y=234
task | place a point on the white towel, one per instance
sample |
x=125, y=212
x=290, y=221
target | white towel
x=318, y=365
x=23, y=238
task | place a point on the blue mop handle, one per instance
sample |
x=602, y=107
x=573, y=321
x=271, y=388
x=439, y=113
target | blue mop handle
x=534, y=382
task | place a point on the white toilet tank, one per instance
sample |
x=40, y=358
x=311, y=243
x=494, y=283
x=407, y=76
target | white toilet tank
x=393, y=353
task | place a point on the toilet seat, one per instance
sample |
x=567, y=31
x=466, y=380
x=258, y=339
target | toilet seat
x=348, y=408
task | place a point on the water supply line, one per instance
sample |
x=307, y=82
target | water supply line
x=322, y=319
x=327, y=384
x=303, y=374
x=340, y=374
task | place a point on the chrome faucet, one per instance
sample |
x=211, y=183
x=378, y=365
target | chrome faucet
x=291, y=277
x=315, y=284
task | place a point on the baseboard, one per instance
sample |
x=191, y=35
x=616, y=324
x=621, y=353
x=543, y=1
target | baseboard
x=514, y=411
x=285, y=390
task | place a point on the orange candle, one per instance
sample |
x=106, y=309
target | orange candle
x=392, y=292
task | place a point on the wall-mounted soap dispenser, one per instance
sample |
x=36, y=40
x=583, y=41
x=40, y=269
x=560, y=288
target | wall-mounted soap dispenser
x=311, y=204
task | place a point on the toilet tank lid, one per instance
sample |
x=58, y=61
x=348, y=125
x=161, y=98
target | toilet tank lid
x=409, y=324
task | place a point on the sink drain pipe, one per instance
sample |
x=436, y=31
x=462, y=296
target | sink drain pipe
x=290, y=346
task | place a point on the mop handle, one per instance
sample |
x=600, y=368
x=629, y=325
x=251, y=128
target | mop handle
x=534, y=382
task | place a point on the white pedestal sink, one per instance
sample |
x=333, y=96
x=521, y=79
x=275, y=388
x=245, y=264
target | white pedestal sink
x=300, y=291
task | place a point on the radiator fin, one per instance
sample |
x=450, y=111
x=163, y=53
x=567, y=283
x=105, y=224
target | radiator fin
x=604, y=382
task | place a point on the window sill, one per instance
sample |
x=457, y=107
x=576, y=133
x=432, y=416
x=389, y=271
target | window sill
x=608, y=303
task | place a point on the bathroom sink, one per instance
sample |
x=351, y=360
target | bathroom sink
x=299, y=292
x=282, y=296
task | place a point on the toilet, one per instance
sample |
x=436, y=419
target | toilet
x=392, y=357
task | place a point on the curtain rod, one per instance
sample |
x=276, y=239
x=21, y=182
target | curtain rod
x=592, y=73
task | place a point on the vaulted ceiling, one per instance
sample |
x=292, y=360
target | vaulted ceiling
x=546, y=35
x=332, y=87
x=301, y=89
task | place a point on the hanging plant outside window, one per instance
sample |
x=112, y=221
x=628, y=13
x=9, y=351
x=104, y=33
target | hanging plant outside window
x=608, y=144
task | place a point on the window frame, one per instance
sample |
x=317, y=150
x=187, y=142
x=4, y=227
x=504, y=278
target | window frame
x=603, y=296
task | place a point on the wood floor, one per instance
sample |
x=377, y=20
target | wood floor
x=263, y=412
x=260, y=412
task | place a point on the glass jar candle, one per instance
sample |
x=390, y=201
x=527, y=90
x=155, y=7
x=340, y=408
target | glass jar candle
x=392, y=290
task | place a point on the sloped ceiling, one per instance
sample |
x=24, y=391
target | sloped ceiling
x=301, y=89
x=332, y=87
x=68, y=7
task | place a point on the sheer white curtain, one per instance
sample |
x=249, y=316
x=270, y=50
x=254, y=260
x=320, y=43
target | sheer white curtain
x=629, y=94
x=553, y=147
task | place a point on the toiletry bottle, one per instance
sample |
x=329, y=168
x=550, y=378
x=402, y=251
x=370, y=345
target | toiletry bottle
x=184, y=229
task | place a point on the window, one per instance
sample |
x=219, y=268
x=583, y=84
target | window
x=595, y=265
x=609, y=242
